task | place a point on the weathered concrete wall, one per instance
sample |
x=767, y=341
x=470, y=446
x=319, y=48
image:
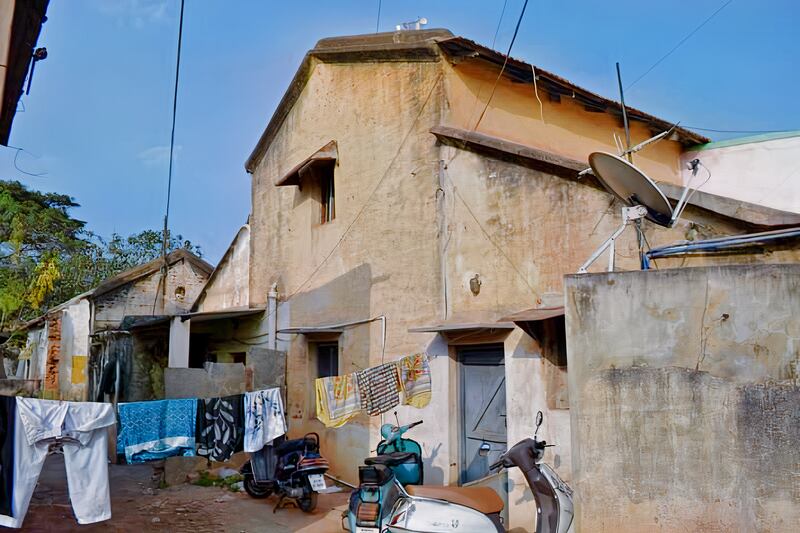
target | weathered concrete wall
x=216, y=379
x=143, y=296
x=379, y=114
x=75, y=320
x=684, y=398
x=229, y=285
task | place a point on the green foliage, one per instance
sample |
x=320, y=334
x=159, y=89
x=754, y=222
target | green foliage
x=48, y=257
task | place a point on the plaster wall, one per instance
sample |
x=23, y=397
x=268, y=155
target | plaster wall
x=684, y=398
x=565, y=128
x=229, y=285
x=379, y=114
x=75, y=324
x=763, y=171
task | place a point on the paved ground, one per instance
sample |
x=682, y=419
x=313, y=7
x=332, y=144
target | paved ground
x=137, y=505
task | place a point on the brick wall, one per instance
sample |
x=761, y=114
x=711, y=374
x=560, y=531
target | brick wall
x=53, y=352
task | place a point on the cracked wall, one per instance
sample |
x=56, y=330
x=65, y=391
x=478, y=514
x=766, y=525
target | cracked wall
x=684, y=398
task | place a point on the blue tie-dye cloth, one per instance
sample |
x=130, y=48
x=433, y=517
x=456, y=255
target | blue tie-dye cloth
x=154, y=430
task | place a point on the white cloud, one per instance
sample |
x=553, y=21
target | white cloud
x=157, y=156
x=137, y=13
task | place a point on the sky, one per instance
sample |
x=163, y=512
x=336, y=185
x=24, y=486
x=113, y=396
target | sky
x=96, y=124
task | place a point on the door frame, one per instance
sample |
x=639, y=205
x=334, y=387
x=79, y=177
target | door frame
x=494, y=347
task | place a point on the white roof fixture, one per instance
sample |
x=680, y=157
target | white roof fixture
x=639, y=193
x=413, y=25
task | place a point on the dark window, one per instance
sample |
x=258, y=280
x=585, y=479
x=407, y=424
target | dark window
x=327, y=360
x=239, y=357
x=327, y=192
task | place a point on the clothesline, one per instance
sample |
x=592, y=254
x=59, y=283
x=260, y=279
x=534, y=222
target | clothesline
x=374, y=390
x=149, y=430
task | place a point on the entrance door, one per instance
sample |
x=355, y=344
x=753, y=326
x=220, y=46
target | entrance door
x=483, y=407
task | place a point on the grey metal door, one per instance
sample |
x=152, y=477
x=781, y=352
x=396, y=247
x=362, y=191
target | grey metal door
x=483, y=407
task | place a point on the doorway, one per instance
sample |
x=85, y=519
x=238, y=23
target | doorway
x=482, y=408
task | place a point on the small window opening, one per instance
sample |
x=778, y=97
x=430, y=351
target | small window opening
x=327, y=359
x=327, y=191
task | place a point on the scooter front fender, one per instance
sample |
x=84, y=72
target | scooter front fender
x=412, y=514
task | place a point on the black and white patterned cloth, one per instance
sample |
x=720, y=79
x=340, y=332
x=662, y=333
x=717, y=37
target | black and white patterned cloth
x=379, y=388
x=220, y=427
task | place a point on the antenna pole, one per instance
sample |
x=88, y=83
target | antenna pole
x=624, y=117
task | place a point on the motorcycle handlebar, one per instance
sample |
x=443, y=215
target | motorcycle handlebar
x=414, y=424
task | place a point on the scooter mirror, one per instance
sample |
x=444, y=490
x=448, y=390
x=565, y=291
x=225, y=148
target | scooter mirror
x=539, y=418
x=484, y=450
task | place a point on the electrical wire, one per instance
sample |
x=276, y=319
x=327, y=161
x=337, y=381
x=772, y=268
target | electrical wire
x=499, y=22
x=503, y=68
x=738, y=131
x=489, y=237
x=654, y=65
x=172, y=134
x=378, y=21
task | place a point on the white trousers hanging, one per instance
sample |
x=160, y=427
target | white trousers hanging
x=81, y=426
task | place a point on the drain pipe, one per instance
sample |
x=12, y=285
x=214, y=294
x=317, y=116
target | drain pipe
x=272, y=318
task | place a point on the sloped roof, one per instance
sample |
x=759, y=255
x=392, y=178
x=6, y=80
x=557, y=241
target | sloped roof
x=146, y=269
x=133, y=274
x=431, y=45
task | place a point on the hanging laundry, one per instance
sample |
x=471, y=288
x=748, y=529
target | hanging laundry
x=8, y=415
x=80, y=429
x=264, y=418
x=338, y=399
x=220, y=427
x=415, y=380
x=157, y=429
x=379, y=388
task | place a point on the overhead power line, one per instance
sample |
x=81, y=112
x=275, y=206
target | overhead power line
x=172, y=134
x=737, y=131
x=503, y=68
x=654, y=65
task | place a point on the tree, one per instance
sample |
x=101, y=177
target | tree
x=48, y=257
x=36, y=230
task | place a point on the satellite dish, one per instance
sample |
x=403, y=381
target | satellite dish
x=631, y=186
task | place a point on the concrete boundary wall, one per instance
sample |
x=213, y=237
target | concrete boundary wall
x=684, y=397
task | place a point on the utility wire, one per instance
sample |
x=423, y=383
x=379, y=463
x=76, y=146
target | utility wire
x=654, y=65
x=499, y=22
x=172, y=134
x=378, y=21
x=738, y=131
x=503, y=68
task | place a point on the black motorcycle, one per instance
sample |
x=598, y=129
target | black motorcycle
x=292, y=469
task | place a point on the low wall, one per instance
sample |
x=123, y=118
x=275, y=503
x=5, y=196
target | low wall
x=684, y=398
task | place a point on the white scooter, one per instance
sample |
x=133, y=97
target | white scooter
x=553, y=499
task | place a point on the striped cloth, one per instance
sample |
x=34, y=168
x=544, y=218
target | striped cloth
x=379, y=388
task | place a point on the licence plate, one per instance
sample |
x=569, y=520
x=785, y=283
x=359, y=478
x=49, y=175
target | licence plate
x=360, y=529
x=317, y=482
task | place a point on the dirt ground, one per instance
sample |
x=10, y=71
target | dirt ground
x=138, y=505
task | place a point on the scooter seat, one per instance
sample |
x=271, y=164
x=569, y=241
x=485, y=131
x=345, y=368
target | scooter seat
x=392, y=459
x=482, y=499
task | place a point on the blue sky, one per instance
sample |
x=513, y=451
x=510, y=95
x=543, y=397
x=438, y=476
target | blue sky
x=97, y=122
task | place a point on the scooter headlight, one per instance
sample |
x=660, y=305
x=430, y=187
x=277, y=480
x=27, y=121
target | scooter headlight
x=368, y=514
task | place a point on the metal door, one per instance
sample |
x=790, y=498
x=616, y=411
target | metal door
x=483, y=408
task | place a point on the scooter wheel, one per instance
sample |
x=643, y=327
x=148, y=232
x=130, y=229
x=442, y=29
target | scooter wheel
x=255, y=489
x=308, y=502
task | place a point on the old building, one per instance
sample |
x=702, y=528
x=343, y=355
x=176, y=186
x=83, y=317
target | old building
x=64, y=345
x=413, y=194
